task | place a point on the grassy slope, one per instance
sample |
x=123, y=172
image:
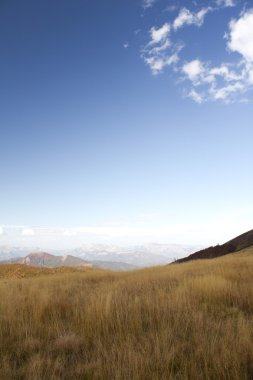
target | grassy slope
x=189, y=321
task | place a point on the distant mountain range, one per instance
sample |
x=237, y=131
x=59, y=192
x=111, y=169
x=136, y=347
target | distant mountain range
x=135, y=256
x=121, y=258
x=111, y=256
x=235, y=245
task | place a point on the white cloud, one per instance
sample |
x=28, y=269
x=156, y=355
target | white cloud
x=198, y=98
x=250, y=76
x=224, y=93
x=220, y=228
x=159, y=52
x=1, y=231
x=193, y=69
x=159, y=34
x=170, y=8
x=70, y=233
x=27, y=232
x=227, y=81
x=148, y=3
x=126, y=45
x=241, y=36
x=161, y=47
x=157, y=64
x=223, y=82
x=224, y=72
x=187, y=17
x=225, y=3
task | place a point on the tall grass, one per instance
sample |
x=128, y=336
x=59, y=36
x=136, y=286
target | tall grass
x=189, y=321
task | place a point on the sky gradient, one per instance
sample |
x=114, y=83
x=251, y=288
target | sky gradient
x=106, y=138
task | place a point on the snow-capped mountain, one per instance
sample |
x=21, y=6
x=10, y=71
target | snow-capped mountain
x=138, y=256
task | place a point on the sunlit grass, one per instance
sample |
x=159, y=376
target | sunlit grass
x=189, y=321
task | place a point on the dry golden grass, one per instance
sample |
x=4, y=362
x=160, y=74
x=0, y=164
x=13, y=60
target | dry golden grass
x=26, y=271
x=191, y=321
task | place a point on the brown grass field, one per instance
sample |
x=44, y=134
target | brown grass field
x=190, y=321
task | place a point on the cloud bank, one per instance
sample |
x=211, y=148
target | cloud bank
x=144, y=229
x=27, y=232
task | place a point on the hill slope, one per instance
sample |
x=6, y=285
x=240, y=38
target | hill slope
x=240, y=242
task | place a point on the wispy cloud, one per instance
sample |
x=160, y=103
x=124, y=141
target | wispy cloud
x=225, y=3
x=27, y=232
x=148, y=3
x=160, y=34
x=159, y=52
x=227, y=82
x=171, y=8
x=186, y=17
x=193, y=94
x=214, y=83
x=194, y=70
x=220, y=229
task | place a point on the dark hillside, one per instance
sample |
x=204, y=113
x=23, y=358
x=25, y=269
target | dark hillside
x=240, y=242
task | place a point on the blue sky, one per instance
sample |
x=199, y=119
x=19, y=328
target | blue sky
x=125, y=121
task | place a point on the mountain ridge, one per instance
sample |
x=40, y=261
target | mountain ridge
x=46, y=260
